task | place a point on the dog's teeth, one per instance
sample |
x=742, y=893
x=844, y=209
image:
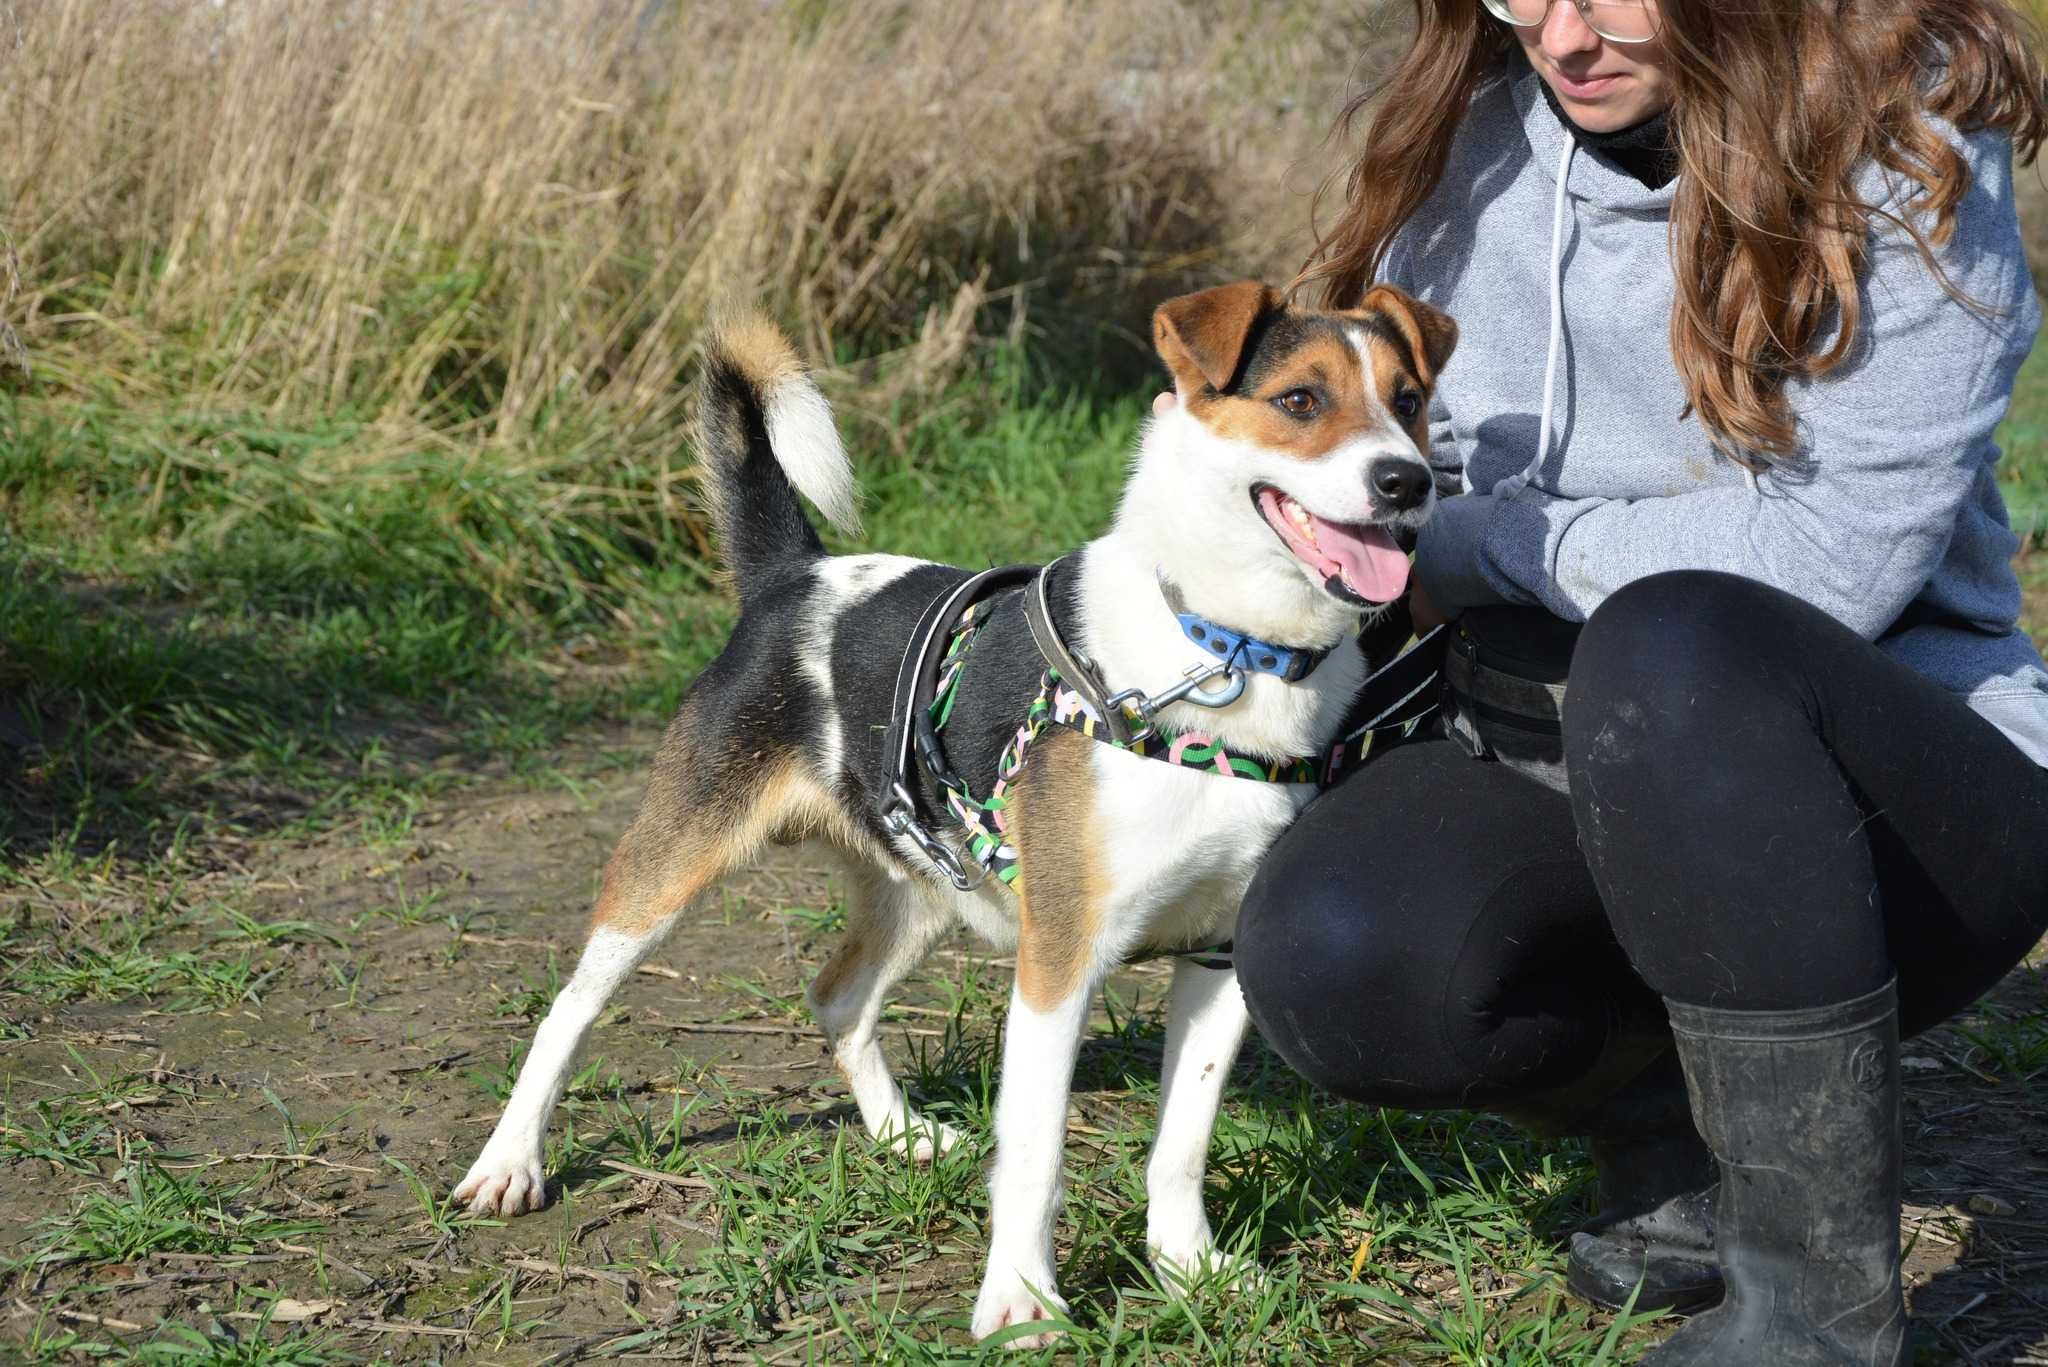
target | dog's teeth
x=1298, y=515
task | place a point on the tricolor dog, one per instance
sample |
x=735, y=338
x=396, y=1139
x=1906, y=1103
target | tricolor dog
x=1031, y=787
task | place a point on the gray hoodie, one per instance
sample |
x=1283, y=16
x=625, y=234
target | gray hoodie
x=1892, y=512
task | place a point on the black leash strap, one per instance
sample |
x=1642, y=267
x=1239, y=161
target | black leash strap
x=1389, y=704
x=1215, y=956
x=1399, y=691
x=910, y=730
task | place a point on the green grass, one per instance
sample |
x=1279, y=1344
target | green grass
x=151, y=1210
x=2024, y=471
x=179, y=1346
x=821, y=1233
x=205, y=608
x=201, y=609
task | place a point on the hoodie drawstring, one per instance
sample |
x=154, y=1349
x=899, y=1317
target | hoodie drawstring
x=1514, y=483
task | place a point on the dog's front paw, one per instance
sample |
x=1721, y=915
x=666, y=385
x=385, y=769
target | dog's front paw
x=1184, y=1268
x=504, y=1182
x=924, y=1141
x=1008, y=1299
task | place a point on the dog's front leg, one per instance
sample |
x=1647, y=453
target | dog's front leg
x=1205, y=1025
x=1064, y=912
x=1040, y=1041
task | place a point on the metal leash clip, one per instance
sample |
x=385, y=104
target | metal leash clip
x=1189, y=690
x=900, y=817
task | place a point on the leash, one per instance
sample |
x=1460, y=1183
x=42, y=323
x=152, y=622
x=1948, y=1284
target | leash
x=1391, y=706
x=1077, y=668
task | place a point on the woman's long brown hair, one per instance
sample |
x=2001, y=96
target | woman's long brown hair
x=1776, y=105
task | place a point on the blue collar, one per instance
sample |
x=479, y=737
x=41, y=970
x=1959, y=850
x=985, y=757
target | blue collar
x=1249, y=653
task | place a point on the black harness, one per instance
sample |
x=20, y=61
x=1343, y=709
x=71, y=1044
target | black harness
x=1389, y=707
x=910, y=726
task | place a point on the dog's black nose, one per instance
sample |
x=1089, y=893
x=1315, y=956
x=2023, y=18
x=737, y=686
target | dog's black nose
x=1401, y=484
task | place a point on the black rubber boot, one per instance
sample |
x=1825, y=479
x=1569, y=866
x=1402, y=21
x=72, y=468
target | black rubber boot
x=1652, y=1244
x=1801, y=1111
x=1653, y=1239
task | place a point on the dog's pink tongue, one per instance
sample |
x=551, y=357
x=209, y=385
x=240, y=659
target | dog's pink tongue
x=1367, y=557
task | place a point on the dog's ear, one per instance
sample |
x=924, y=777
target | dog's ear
x=1201, y=337
x=1432, y=334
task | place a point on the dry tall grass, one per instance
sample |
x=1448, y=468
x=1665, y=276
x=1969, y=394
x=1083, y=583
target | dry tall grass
x=505, y=217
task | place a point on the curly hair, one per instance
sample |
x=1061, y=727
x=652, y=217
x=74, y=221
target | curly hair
x=1776, y=107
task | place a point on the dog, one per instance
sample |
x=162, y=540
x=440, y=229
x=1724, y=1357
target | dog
x=1267, y=499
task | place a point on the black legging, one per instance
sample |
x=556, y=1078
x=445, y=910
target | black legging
x=1767, y=812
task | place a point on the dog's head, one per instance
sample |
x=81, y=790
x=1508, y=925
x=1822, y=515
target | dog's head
x=1302, y=434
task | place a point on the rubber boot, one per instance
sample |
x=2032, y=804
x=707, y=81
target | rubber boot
x=1652, y=1244
x=1801, y=1111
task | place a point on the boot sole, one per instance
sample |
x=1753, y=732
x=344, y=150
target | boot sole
x=1598, y=1289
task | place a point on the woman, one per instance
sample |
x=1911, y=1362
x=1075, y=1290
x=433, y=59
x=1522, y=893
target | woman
x=1776, y=248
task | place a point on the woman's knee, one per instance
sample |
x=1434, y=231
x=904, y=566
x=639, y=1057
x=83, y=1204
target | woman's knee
x=1370, y=945
x=1669, y=632
x=1672, y=668
x=1330, y=976
x=1323, y=984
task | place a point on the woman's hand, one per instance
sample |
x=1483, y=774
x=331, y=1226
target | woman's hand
x=1163, y=404
x=1421, y=610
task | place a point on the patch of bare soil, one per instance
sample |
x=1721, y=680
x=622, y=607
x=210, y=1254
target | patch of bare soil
x=1976, y=1176
x=381, y=1052
x=384, y=1047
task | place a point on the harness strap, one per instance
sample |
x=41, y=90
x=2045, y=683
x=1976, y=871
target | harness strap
x=1391, y=707
x=1077, y=669
x=911, y=728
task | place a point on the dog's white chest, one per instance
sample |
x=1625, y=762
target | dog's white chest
x=1171, y=831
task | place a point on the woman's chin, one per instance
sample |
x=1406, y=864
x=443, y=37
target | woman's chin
x=1609, y=106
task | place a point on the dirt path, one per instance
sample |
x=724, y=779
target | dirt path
x=379, y=1052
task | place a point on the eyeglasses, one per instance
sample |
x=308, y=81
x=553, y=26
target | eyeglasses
x=1618, y=21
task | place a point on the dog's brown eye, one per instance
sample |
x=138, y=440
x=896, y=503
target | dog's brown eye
x=1407, y=404
x=1298, y=403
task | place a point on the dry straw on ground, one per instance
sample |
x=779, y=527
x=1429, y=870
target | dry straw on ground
x=500, y=217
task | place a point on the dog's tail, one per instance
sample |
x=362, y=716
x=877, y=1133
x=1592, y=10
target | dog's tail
x=764, y=435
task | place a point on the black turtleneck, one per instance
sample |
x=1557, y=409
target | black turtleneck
x=1644, y=151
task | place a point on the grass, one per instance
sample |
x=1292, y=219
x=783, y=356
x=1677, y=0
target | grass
x=319, y=631
x=1456, y=1263
x=150, y=1210
x=342, y=463
x=184, y=709
x=513, y=224
x=2024, y=474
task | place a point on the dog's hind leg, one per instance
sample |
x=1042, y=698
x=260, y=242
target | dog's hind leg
x=1205, y=1025
x=704, y=814
x=508, y=1176
x=892, y=923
